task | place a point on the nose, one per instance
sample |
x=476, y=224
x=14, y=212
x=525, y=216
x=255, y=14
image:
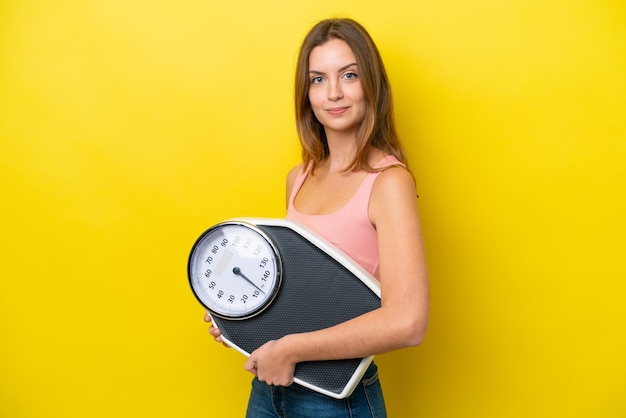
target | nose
x=334, y=91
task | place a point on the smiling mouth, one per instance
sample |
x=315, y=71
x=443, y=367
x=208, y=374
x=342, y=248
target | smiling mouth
x=337, y=110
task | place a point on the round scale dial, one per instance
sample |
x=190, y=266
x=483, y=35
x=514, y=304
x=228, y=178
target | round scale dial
x=234, y=270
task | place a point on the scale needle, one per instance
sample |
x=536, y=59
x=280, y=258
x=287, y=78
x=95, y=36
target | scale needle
x=238, y=272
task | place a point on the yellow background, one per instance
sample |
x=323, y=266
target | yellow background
x=128, y=127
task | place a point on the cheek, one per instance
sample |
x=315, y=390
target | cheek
x=362, y=103
x=359, y=95
x=314, y=104
x=356, y=94
x=314, y=97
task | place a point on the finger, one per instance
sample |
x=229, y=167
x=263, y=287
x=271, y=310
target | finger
x=216, y=334
x=251, y=366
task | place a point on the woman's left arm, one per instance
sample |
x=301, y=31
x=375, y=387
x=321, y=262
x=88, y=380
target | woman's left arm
x=402, y=260
x=403, y=316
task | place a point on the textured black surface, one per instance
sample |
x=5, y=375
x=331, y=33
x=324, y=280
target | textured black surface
x=317, y=292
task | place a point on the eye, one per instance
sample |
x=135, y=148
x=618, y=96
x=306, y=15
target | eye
x=317, y=80
x=351, y=76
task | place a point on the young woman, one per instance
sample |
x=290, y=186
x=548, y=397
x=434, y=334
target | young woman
x=353, y=188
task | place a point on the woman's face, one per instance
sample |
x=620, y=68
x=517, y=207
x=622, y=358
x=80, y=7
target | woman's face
x=335, y=89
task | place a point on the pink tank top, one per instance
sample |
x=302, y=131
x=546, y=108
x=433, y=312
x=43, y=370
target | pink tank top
x=348, y=228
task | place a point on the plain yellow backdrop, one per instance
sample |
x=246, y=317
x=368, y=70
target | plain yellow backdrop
x=128, y=127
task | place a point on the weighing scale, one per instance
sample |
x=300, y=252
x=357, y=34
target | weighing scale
x=261, y=279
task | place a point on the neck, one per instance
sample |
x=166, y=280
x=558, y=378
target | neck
x=342, y=150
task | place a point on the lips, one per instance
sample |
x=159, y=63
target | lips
x=337, y=111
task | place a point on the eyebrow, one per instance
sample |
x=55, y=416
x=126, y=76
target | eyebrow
x=345, y=67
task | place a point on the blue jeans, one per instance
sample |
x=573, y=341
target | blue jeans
x=295, y=401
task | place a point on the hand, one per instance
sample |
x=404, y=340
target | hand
x=215, y=332
x=271, y=364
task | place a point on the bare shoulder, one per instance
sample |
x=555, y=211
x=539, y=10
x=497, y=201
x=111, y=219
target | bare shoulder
x=292, y=174
x=291, y=178
x=393, y=194
x=394, y=180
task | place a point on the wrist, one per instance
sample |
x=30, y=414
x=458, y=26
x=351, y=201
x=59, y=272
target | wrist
x=288, y=347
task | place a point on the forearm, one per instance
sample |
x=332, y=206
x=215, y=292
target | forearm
x=376, y=332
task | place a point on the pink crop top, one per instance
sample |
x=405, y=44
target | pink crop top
x=349, y=228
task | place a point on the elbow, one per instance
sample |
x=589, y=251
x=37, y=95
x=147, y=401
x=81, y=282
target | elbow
x=415, y=336
x=414, y=331
x=408, y=323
